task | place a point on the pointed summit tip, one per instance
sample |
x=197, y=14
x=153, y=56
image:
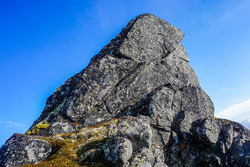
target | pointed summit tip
x=148, y=38
x=145, y=38
x=137, y=103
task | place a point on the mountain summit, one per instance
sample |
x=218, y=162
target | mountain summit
x=137, y=104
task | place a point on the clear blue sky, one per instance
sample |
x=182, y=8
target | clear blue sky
x=43, y=42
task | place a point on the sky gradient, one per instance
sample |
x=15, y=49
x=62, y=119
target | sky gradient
x=43, y=43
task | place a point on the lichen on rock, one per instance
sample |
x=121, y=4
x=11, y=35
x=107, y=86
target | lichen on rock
x=22, y=149
x=35, y=129
x=137, y=103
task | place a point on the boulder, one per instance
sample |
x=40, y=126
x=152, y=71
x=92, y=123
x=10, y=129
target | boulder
x=22, y=149
x=118, y=151
x=137, y=130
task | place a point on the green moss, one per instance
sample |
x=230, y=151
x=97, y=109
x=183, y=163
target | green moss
x=68, y=147
x=226, y=121
x=35, y=129
x=236, y=139
x=93, y=145
x=141, y=161
x=115, y=120
x=44, y=124
x=135, y=101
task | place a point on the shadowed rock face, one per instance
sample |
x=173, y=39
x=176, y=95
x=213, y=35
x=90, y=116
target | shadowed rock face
x=164, y=118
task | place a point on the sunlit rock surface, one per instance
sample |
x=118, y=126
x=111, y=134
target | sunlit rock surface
x=138, y=103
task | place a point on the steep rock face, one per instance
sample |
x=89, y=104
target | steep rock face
x=163, y=117
x=144, y=57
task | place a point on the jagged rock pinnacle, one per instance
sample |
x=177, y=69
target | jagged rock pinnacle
x=137, y=103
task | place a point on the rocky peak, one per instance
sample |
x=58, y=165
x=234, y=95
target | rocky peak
x=137, y=103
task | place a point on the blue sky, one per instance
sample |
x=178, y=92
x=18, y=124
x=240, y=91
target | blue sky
x=42, y=43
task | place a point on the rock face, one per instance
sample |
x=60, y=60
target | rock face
x=138, y=103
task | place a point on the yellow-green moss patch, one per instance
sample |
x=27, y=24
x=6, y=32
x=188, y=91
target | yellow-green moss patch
x=225, y=121
x=66, y=147
x=35, y=129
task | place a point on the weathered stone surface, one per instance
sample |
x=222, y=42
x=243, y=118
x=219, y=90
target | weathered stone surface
x=195, y=104
x=207, y=130
x=213, y=142
x=159, y=156
x=22, y=149
x=52, y=126
x=150, y=38
x=98, y=92
x=137, y=130
x=137, y=103
x=118, y=151
x=143, y=157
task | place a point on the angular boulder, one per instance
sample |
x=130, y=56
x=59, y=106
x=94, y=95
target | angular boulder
x=22, y=149
x=118, y=151
x=138, y=130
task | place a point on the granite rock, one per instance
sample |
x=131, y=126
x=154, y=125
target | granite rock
x=22, y=149
x=118, y=151
x=137, y=103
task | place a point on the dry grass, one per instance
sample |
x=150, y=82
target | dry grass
x=65, y=146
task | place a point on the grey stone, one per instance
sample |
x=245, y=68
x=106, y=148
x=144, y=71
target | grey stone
x=142, y=77
x=196, y=105
x=22, y=149
x=150, y=38
x=208, y=129
x=99, y=90
x=138, y=130
x=118, y=150
x=159, y=156
x=144, y=157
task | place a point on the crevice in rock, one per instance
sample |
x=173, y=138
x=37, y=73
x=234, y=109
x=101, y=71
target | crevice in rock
x=121, y=56
x=107, y=109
